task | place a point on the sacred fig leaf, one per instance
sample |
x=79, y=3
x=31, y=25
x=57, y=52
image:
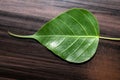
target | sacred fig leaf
x=73, y=35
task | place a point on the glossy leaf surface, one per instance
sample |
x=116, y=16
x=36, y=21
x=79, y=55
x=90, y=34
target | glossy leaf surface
x=73, y=35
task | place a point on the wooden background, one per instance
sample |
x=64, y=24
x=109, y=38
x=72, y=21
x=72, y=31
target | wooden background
x=26, y=59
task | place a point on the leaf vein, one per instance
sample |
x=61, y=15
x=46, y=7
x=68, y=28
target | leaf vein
x=78, y=23
x=67, y=26
x=90, y=22
x=85, y=50
x=70, y=45
x=76, y=48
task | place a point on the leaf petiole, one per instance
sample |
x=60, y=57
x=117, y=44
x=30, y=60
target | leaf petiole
x=109, y=38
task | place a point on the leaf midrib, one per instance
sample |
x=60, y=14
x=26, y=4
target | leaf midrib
x=65, y=36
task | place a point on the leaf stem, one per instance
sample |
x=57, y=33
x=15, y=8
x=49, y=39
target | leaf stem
x=109, y=38
x=20, y=36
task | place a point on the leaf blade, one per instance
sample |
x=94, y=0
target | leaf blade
x=73, y=35
x=75, y=31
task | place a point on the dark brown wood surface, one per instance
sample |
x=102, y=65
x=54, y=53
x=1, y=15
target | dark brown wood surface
x=26, y=59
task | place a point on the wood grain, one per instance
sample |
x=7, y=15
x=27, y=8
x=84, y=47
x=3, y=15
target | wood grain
x=26, y=59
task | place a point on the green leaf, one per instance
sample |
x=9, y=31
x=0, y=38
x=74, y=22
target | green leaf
x=73, y=35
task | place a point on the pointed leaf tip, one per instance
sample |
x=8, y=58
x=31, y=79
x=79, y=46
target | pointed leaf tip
x=20, y=36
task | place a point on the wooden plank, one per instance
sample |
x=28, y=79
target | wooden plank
x=29, y=60
x=2, y=78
